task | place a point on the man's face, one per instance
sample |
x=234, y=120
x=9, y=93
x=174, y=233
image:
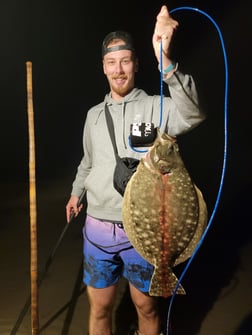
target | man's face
x=120, y=67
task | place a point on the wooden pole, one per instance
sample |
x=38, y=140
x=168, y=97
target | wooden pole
x=33, y=210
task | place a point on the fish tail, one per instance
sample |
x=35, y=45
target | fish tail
x=163, y=284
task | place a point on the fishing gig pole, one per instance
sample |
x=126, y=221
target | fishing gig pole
x=33, y=209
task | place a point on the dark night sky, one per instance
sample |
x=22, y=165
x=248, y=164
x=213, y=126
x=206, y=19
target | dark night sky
x=63, y=40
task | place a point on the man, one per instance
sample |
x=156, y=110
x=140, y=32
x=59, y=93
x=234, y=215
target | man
x=108, y=253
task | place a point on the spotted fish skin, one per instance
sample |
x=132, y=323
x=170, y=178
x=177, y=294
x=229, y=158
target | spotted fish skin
x=164, y=213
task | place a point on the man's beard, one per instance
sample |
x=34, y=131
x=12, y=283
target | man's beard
x=121, y=90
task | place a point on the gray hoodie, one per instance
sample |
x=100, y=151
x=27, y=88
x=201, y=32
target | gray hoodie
x=95, y=171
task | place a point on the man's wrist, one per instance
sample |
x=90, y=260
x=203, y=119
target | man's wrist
x=169, y=70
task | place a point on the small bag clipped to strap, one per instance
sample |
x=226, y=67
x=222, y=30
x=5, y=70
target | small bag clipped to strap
x=124, y=169
x=125, y=166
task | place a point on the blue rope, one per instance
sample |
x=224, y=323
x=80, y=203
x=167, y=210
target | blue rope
x=224, y=155
x=161, y=83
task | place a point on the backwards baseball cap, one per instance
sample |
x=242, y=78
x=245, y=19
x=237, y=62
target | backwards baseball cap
x=121, y=35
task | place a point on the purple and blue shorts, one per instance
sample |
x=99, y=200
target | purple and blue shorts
x=108, y=255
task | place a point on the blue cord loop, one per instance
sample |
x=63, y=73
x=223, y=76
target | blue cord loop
x=224, y=154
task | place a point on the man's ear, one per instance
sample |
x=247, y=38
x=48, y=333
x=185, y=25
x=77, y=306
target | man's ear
x=137, y=65
x=103, y=67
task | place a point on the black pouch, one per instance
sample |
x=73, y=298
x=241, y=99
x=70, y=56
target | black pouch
x=125, y=168
x=142, y=134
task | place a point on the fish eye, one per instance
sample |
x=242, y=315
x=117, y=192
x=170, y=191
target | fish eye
x=155, y=157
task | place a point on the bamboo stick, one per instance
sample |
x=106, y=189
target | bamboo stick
x=33, y=210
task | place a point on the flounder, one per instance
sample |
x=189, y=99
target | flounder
x=164, y=213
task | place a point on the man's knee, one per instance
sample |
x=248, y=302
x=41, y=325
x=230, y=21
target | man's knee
x=101, y=301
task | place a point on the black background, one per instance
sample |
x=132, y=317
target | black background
x=63, y=39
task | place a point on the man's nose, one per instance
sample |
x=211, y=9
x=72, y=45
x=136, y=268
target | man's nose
x=119, y=68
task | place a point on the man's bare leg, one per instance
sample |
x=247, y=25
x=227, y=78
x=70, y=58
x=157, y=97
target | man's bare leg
x=147, y=311
x=101, y=306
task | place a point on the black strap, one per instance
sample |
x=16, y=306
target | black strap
x=111, y=130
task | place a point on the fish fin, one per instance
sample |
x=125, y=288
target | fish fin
x=163, y=283
x=202, y=222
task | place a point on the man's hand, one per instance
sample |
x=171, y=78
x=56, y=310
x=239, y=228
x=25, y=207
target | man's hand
x=72, y=207
x=164, y=29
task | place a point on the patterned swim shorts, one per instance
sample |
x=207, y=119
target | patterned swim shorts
x=108, y=255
